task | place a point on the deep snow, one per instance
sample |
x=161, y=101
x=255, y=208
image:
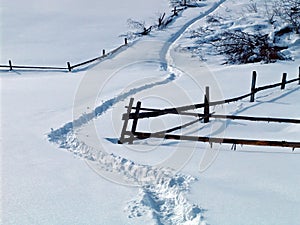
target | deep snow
x=42, y=184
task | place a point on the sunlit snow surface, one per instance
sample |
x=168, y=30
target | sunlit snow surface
x=45, y=184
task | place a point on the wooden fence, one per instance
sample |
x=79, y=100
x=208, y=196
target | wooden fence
x=141, y=113
x=162, y=23
x=68, y=67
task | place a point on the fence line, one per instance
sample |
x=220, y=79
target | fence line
x=33, y=67
x=234, y=141
x=158, y=112
x=232, y=117
x=165, y=134
x=69, y=67
x=130, y=136
x=162, y=22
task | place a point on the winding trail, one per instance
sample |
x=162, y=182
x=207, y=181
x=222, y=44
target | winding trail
x=161, y=192
x=172, y=40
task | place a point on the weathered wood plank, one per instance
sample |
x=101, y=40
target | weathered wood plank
x=293, y=145
x=125, y=124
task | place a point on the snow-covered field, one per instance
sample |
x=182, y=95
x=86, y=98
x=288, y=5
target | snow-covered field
x=60, y=163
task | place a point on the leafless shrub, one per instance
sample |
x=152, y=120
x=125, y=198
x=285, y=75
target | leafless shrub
x=269, y=12
x=201, y=34
x=252, y=7
x=214, y=19
x=140, y=28
x=189, y=3
x=240, y=47
x=289, y=11
x=134, y=24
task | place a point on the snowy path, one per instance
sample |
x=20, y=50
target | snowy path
x=156, y=52
x=162, y=194
x=42, y=184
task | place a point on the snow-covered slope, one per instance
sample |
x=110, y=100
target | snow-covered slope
x=151, y=181
x=54, y=32
x=250, y=17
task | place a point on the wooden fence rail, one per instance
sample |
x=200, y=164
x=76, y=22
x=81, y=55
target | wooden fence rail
x=69, y=67
x=159, y=112
x=10, y=66
x=163, y=22
x=231, y=117
x=140, y=113
x=234, y=141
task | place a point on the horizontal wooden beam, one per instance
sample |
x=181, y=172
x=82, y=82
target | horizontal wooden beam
x=293, y=145
x=175, y=110
x=35, y=67
x=261, y=119
x=216, y=116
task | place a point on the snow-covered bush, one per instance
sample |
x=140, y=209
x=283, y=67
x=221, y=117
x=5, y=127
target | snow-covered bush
x=240, y=47
x=138, y=29
x=260, y=32
x=177, y=3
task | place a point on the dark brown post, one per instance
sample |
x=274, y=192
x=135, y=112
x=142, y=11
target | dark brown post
x=125, y=124
x=175, y=11
x=206, y=105
x=10, y=65
x=103, y=52
x=69, y=66
x=283, y=81
x=252, y=97
x=126, y=41
x=299, y=75
x=135, y=121
x=159, y=22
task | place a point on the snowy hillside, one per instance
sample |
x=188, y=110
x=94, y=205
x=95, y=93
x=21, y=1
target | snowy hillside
x=60, y=158
x=242, y=24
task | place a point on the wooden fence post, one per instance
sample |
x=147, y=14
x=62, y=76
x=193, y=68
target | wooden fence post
x=69, y=66
x=135, y=121
x=206, y=105
x=159, y=22
x=175, y=11
x=283, y=82
x=103, y=52
x=125, y=118
x=10, y=65
x=126, y=41
x=299, y=75
x=254, y=76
